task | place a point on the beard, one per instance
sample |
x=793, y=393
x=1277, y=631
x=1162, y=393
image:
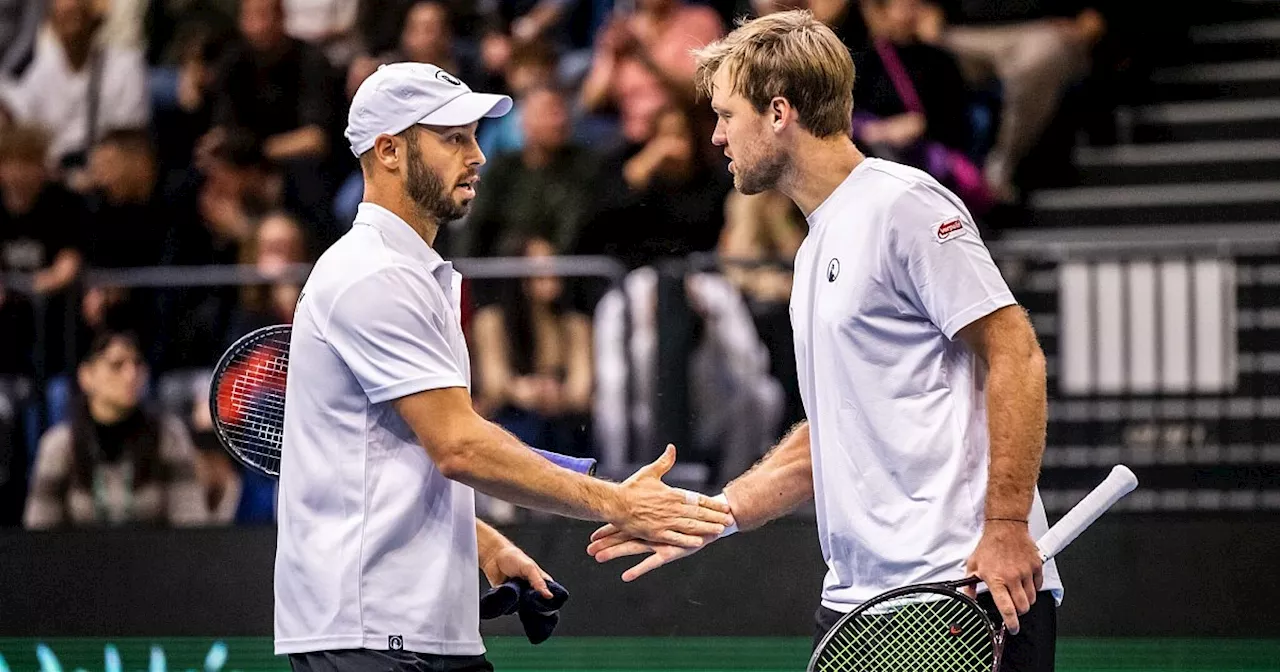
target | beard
x=763, y=176
x=430, y=193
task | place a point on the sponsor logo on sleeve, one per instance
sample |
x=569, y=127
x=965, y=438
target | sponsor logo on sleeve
x=948, y=229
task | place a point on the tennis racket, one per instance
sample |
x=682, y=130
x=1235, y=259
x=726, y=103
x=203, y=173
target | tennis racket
x=933, y=627
x=246, y=401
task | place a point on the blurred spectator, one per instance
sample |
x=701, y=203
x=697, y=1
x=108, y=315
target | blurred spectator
x=427, y=37
x=277, y=243
x=735, y=406
x=76, y=88
x=127, y=229
x=660, y=199
x=842, y=16
x=41, y=224
x=19, y=24
x=221, y=486
x=1036, y=48
x=166, y=22
x=911, y=104
x=114, y=462
x=643, y=63
x=276, y=87
x=182, y=92
x=532, y=65
x=543, y=190
x=764, y=232
x=214, y=210
x=329, y=25
x=533, y=358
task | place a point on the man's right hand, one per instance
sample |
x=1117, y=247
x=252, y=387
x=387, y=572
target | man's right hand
x=654, y=511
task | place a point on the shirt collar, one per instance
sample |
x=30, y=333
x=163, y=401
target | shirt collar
x=406, y=241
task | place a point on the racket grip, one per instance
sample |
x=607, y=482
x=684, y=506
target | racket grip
x=582, y=465
x=1118, y=483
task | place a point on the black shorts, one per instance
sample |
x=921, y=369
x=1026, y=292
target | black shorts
x=1031, y=650
x=369, y=660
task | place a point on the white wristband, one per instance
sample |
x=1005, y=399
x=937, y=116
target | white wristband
x=732, y=528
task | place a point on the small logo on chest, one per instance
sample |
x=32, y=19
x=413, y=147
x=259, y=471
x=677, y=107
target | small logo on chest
x=833, y=270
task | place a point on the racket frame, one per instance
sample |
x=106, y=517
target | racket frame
x=949, y=589
x=582, y=465
x=242, y=344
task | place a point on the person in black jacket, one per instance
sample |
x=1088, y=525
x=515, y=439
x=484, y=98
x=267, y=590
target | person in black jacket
x=911, y=101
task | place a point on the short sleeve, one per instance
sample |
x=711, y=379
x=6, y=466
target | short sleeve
x=940, y=262
x=390, y=328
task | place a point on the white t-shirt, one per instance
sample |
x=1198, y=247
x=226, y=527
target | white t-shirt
x=891, y=270
x=53, y=95
x=376, y=549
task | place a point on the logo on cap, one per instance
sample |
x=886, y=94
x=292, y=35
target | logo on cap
x=448, y=78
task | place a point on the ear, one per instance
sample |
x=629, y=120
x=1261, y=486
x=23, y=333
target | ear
x=387, y=151
x=780, y=113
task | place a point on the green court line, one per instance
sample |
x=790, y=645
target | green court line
x=618, y=654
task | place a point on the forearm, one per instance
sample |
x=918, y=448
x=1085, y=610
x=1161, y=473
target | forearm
x=1016, y=416
x=489, y=542
x=496, y=463
x=776, y=485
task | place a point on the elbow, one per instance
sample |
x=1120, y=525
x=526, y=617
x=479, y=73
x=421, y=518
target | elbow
x=453, y=459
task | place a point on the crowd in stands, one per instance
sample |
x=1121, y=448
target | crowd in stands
x=139, y=133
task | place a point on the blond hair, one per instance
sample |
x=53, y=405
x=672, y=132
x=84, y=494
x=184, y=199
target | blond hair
x=788, y=54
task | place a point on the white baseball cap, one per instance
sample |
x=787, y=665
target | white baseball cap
x=399, y=95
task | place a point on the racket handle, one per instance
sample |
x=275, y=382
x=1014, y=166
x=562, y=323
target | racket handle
x=1118, y=483
x=582, y=465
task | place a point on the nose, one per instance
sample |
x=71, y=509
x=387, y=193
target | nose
x=476, y=157
x=718, y=137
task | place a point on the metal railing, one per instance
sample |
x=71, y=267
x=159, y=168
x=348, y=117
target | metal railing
x=1205, y=436
x=607, y=269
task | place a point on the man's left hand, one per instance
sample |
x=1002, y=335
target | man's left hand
x=512, y=563
x=1008, y=561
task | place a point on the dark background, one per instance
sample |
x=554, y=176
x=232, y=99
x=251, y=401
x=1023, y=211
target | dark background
x=1128, y=575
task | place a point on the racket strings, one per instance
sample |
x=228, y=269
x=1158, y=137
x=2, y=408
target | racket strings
x=918, y=633
x=251, y=400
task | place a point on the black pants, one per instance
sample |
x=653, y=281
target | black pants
x=1031, y=650
x=368, y=660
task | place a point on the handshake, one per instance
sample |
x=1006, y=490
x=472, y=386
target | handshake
x=668, y=523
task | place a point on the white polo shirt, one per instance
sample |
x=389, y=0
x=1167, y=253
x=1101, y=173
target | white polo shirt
x=891, y=270
x=376, y=549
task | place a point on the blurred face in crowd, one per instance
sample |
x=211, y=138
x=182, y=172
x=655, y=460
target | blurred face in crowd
x=893, y=20
x=262, y=23
x=123, y=174
x=757, y=159
x=546, y=289
x=443, y=169
x=426, y=31
x=545, y=120
x=524, y=77
x=113, y=378
x=72, y=20
x=279, y=243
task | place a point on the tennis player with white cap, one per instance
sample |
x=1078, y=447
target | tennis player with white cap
x=378, y=543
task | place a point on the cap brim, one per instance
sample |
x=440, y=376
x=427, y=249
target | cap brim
x=468, y=108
